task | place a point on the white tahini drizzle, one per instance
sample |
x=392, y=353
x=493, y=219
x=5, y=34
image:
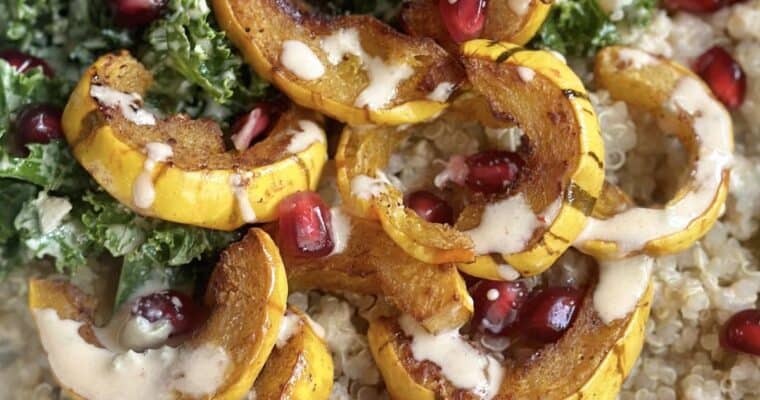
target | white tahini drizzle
x=130, y=104
x=308, y=134
x=299, y=59
x=526, y=74
x=441, y=92
x=383, y=78
x=461, y=363
x=508, y=225
x=144, y=194
x=291, y=325
x=239, y=183
x=633, y=228
x=621, y=285
x=100, y=374
x=519, y=7
x=341, y=230
x=365, y=187
x=507, y=272
x=635, y=58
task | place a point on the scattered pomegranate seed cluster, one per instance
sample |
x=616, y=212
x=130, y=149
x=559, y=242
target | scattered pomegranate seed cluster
x=171, y=305
x=509, y=309
x=463, y=19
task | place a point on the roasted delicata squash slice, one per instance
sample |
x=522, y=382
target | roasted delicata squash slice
x=220, y=360
x=300, y=366
x=362, y=155
x=353, y=68
x=504, y=20
x=590, y=361
x=178, y=169
x=552, y=198
x=372, y=264
x=685, y=107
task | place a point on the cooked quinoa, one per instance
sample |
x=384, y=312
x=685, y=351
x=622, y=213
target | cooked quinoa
x=695, y=291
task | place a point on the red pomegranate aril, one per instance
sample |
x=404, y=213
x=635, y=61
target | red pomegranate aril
x=724, y=75
x=250, y=127
x=549, y=313
x=305, y=227
x=492, y=171
x=430, y=207
x=136, y=13
x=171, y=305
x=497, y=305
x=23, y=62
x=742, y=332
x=39, y=123
x=463, y=19
x=694, y=6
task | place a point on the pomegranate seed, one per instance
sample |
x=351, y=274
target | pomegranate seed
x=23, y=62
x=492, y=171
x=694, y=6
x=249, y=127
x=136, y=13
x=430, y=207
x=38, y=123
x=724, y=76
x=176, y=307
x=742, y=332
x=464, y=19
x=549, y=313
x=305, y=226
x=497, y=305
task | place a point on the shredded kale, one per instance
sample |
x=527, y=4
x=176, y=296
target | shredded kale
x=581, y=27
x=67, y=34
x=195, y=66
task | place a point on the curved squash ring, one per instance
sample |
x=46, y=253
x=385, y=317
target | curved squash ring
x=300, y=369
x=551, y=104
x=652, y=84
x=590, y=361
x=248, y=280
x=260, y=27
x=195, y=187
x=371, y=264
x=364, y=152
x=422, y=18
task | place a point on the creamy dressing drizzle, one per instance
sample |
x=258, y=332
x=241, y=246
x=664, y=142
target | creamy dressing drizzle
x=101, y=374
x=291, y=325
x=519, y=7
x=442, y=92
x=239, y=183
x=383, y=78
x=299, y=59
x=308, y=134
x=144, y=194
x=508, y=225
x=621, y=285
x=633, y=228
x=462, y=364
x=507, y=272
x=636, y=59
x=365, y=187
x=341, y=230
x=130, y=104
x=526, y=74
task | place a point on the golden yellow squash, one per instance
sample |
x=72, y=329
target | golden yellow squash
x=301, y=368
x=502, y=23
x=564, y=161
x=372, y=264
x=684, y=106
x=285, y=44
x=249, y=280
x=590, y=361
x=200, y=183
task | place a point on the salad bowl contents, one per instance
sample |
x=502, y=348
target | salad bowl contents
x=418, y=199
